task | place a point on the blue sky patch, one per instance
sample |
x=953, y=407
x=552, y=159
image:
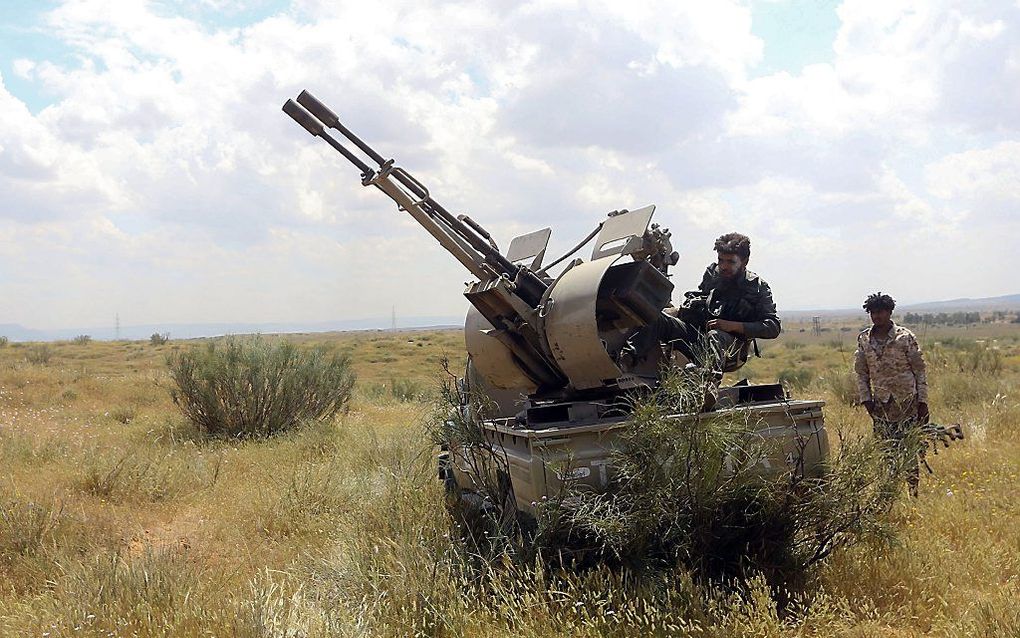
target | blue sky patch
x=796, y=33
x=22, y=36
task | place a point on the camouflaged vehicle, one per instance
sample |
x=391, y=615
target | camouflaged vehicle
x=546, y=347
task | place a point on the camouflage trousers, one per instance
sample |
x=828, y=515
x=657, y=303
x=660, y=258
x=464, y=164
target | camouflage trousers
x=892, y=422
x=713, y=349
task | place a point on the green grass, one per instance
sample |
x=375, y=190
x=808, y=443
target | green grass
x=118, y=518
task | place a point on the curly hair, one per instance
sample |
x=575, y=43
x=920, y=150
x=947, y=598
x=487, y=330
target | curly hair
x=879, y=301
x=734, y=244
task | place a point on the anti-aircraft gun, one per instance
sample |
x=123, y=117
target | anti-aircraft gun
x=546, y=350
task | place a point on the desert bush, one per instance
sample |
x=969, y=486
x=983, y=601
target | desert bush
x=123, y=413
x=842, y=384
x=158, y=339
x=82, y=340
x=25, y=526
x=3, y=341
x=724, y=524
x=957, y=355
x=796, y=378
x=39, y=354
x=254, y=388
x=406, y=390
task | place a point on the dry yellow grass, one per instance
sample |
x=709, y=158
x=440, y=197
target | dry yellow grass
x=116, y=519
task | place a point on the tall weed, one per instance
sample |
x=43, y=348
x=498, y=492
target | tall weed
x=39, y=354
x=25, y=526
x=143, y=473
x=842, y=384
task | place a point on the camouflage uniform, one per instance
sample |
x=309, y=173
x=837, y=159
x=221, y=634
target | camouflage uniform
x=747, y=299
x=891, y=373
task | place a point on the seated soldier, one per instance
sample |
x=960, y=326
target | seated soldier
x=717, y=324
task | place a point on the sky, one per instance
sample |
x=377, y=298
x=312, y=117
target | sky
x=147, y=171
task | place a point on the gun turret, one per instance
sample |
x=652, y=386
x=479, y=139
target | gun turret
x=528, y=331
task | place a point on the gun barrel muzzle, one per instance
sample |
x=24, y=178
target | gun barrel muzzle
x=318, y=109
x=330, y=119
x=302, y=117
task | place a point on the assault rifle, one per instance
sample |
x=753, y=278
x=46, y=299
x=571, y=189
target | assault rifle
x=933, y=434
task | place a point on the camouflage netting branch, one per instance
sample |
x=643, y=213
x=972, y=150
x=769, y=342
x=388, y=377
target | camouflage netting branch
x=689, y=494
x=491, y=522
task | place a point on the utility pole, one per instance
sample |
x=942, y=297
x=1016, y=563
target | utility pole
x=116, y=330
x=816, y=328
x=393, y=318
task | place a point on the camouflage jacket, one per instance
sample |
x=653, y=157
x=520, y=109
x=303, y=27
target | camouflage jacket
x=748, y=300
x=891, y=368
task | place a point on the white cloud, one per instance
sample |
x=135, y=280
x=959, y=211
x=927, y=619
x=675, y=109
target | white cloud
x=981, y=174
x=164, y=156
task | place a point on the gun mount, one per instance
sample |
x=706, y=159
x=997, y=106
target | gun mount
x=544, y=351
x=529, y=331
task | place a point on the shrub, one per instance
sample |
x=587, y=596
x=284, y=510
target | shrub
x=406, y=390
x=796, y=378
x=966, y=357
x=39, y=354
x=123, y=414
x=254, y=388
x=158, y=339
x=843, y=385
x=82, y=340
x=25, y=526
x=689, y=495
x=725, y=523
x=3, y=341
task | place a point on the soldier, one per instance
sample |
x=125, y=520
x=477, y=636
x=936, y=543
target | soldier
x=731, y=307
x=891, y=377
x=717, y=324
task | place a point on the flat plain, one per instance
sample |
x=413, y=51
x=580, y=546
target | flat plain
x=118, y=519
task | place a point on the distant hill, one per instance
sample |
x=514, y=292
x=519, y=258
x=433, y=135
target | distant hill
x=1005, y=302
x=16, y=332
x=981, y=304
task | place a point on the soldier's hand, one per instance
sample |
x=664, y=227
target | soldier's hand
x=869, y=406
x=922, y=413
x=726, y=325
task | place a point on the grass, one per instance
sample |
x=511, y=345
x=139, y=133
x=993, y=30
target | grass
x=118, y=518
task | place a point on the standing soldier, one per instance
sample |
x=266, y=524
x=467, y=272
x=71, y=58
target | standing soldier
x=891, y=377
